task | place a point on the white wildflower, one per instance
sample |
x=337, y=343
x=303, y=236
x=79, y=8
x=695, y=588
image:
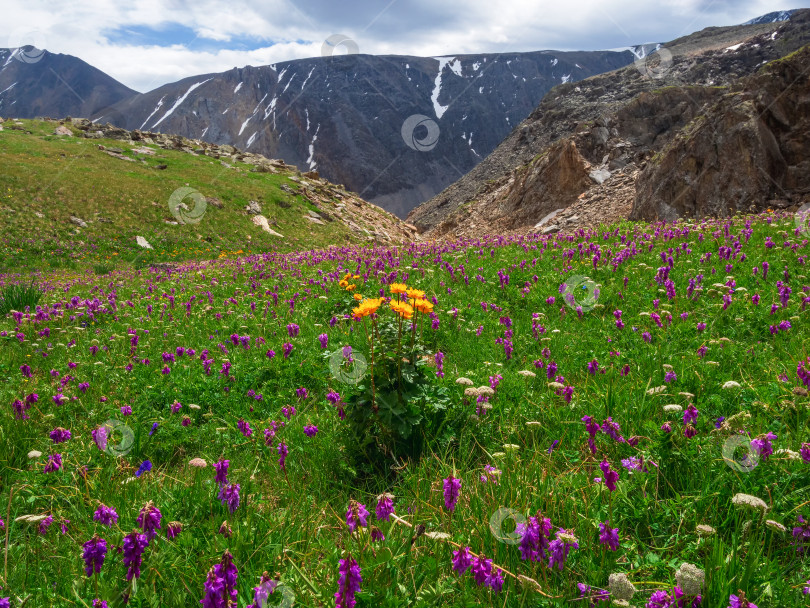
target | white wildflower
x=620, y=587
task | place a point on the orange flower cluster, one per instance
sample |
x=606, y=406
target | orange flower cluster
x=403, y=309
x=422, y=305
x=367, y=307
x=344, y=282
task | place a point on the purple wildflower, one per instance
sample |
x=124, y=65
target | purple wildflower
x=134, y=545
x=149, y=520
x=221, y=467
x=282, y=456
x=462, y=560
x=229, y=495
x=534, y=541
x=610, y=476
x=146, y=465
x=560, y=547
x=348, y=583
x=452, y=488
x=763, y=446
x=45, y=524
x=244, y=428
x=173, y=529
x=95, y=550
x=357, y=515
x=106, y=516
x=54, y=463
x=385, y=507
x=609, y=536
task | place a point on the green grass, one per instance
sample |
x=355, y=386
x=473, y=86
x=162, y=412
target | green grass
x=18, y=297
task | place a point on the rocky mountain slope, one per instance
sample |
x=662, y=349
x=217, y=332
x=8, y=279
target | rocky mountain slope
x=749, y=150
x=35, y=82
x=349, y=116
x=606, y=128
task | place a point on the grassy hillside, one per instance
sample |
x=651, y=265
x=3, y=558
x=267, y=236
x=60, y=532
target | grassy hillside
x=45, y=179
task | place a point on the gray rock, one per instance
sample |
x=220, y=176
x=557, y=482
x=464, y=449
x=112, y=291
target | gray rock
x=253, y=208
x=142, y=242
x=548, y=218
x=78, y=221
x=599, y=136
x=600, y=175
x=62, y=130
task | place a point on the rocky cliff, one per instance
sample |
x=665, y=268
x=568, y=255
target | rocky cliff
x=616, y=122
x=748, y=151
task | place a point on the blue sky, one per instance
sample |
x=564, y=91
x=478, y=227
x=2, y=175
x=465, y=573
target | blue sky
x=146, y=43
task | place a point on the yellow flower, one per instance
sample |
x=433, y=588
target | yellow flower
x=357, y=276
x=351, y=287
x=398, y=288
x=344, y=283
x=358, y=297
x=415, y=294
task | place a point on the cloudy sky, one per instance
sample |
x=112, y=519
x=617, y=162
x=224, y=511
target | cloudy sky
x=147, y=43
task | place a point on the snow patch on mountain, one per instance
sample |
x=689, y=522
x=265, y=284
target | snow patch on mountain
x=437, y=86
x=180, y=101
x=310, y=161
x=157, y=107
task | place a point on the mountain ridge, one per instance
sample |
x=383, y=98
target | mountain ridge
x=37, y=82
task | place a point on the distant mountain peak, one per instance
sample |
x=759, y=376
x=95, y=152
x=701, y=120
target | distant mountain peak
x=772, y=17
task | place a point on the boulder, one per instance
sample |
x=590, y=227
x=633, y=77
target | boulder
x=78, y=221
x=600, y=176
x=262, y=223
x=62, y=130
x=142, y=242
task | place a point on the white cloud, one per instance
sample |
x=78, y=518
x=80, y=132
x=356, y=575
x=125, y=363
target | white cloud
x=290, y=30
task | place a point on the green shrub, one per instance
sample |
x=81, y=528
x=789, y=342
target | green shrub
x=17, y=297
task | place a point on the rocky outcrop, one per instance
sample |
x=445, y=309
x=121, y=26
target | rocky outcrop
x=553, y=180
x=366, y=221
x=618, y=122
x=748, y=152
